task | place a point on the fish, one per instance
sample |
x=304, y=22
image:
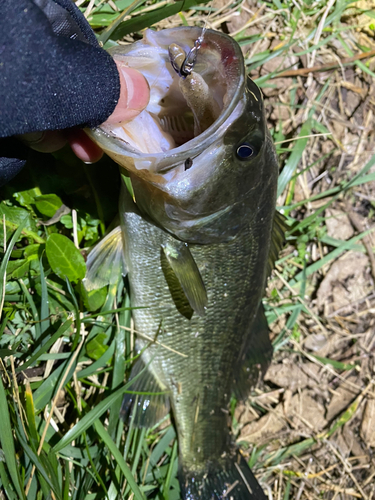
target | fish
x=198, y=237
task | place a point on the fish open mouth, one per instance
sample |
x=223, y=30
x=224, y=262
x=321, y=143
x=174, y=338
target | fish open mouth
x=181, y=108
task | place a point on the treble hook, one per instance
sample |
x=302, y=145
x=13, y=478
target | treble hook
x=176, y=53
x=190, y=60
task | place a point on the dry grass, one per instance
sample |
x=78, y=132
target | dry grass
x=312, y=423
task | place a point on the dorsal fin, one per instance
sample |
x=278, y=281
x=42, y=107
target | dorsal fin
x=187, y=273
x=279, y=228
x=105, y=263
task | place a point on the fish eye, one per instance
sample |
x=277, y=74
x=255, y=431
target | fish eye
x=188, y=163
x=245, y=151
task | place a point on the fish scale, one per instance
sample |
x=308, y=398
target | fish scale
x=211, y=343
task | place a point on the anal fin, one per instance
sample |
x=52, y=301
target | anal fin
x=187, y=273
x=255, y=358
x=148, y=409
x=105, y=263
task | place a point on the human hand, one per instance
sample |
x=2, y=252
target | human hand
x=134, y=97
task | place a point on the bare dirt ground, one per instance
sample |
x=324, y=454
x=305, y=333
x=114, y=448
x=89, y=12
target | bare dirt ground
x=312, y=422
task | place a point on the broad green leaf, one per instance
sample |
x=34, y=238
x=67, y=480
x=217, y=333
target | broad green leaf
x=17, y=268
x=96, y=348
x=14, y=216
x=48, y=204
x=17, y=216
x=31, y=250
x=26, y=198
x=94, y=299
x=102, y=361
x=64, y=258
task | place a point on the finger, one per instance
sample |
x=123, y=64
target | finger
x=83, y=147
x=45, y=142
x=134, y=95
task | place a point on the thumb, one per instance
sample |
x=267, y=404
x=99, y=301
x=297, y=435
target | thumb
x=134, y=95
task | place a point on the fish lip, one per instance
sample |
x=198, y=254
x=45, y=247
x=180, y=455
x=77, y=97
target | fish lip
x=197, y=144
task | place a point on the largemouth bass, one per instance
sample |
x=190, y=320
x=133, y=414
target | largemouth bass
x=198, y=234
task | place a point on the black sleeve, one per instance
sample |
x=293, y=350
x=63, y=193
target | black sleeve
x=49, y=81
x=53, y=75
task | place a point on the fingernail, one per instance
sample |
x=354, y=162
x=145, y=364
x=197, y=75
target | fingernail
x=138, y=91
x=134, y=95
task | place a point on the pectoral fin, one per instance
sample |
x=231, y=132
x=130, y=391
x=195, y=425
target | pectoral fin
x=188, y=276
x=105, y=263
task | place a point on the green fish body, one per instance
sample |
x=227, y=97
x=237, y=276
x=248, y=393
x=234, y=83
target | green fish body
x=199, y=232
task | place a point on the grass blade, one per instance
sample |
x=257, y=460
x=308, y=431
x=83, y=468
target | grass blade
x=138, y=495
x=44, y=308
x=88, y=420
x=7, y=443
x=294, y=159
x=5, y=261
x=6, y=483
x=60, y=332
x=38, y=464
x=138, y=23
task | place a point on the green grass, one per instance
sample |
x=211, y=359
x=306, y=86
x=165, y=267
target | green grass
x=66, y=352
